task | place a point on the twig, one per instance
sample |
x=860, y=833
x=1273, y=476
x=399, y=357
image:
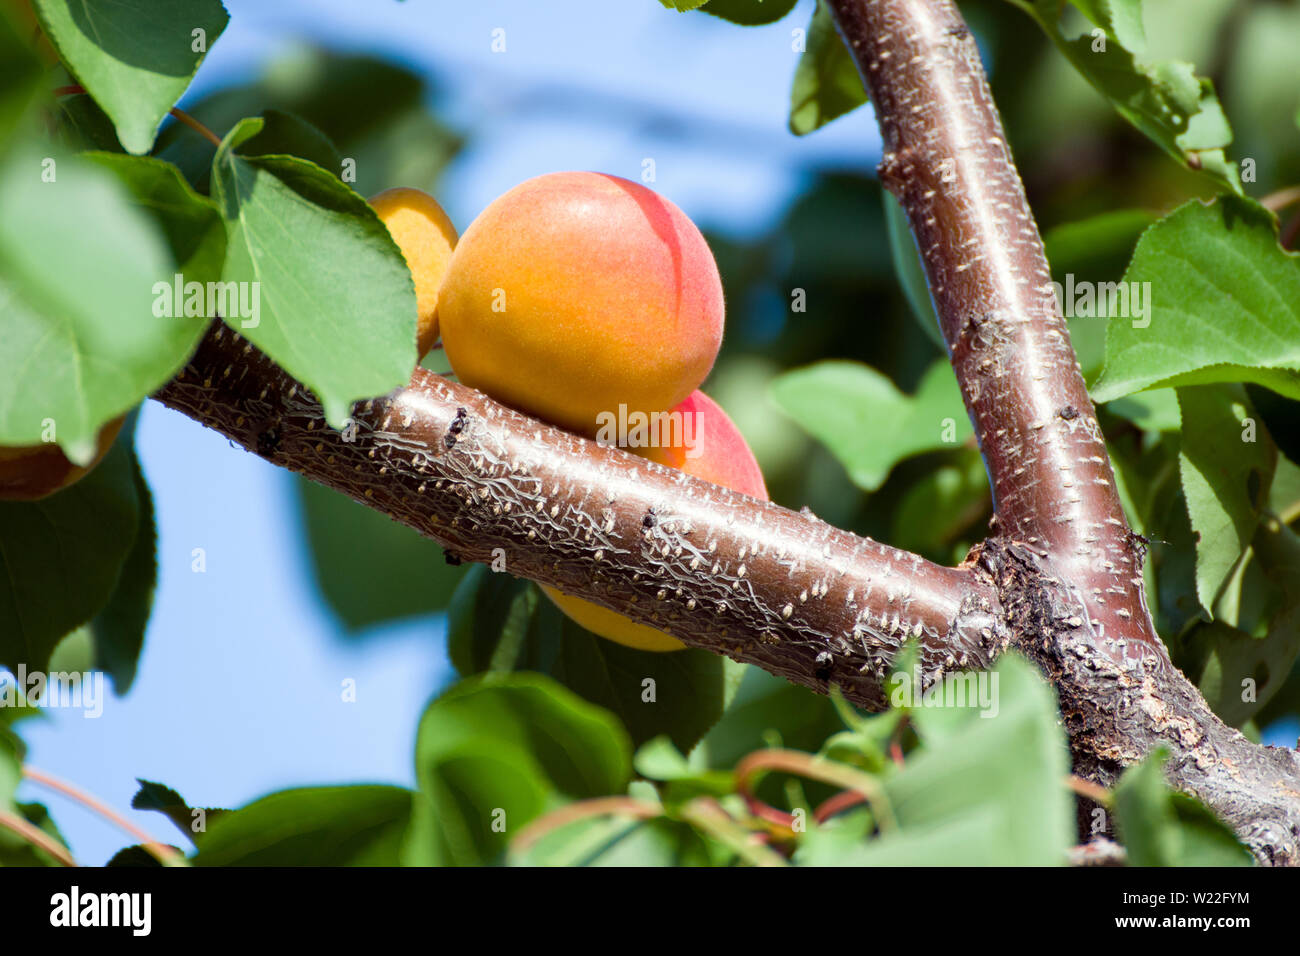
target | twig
x=161, y=852
x=815, y=768
x=36, y=837
x=583, y=809
x=708, y=815
x=1092, y=791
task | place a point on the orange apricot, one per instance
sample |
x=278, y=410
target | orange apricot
x=30, y=472
x=426, y=236
x=575, y=293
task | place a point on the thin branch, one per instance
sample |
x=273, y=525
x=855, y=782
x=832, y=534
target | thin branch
x=36, y=837
x=584, y=810
x=708, y=815
x=807, y=765
x=161, y=852
x=947, y=160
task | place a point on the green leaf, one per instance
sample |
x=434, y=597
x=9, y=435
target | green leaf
x=1226, y=462
x=682, y=6
x=826, y=81
x=135, y=59
x=16, y=851
x=336, y=312
x=498, y=624
x=488, y=621
x=1174, y=108
x=163, y=799
x=287, y=135
x=310, y=826
x=618, y=841
x=988, y=784
x=1224, y=305
x=1243, y=672
x=374, y=110
x=1085, y=254
x=118, y=630
x=61, y=557
x=138, y=857
x=190, y=222
x=659, y=760
x=767, y=711
x=970, y=840
x=1109, y=236
x=1153, y=411
x=79, y=353
x=84, y=126
x=943, y=508
x=369, y=568
x=1160, y=828
x=908, y=268
x=866, y=422
x=679, y=694
x=12, y=748
x=20, y=77
x=495, y=753
x=749, y=13
x=1284, y=496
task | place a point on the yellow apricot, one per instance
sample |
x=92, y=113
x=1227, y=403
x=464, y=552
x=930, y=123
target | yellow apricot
x=575, y=293
x=710, y=447
x=426, y=236
x=30, y=472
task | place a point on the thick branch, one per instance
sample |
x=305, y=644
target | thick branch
x=1067, y=566
x=947, y=160
x=716, y=569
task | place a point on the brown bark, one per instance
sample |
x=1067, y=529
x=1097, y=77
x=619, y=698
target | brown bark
x=717, y=569
x=1068, y=566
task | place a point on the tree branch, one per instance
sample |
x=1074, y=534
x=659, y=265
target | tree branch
x=714, y=568
x=1067, y=565
x=948, y=162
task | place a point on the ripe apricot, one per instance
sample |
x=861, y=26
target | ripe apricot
x=426, y=236
x=575, y=293
x=33, y=471
x=714, y=450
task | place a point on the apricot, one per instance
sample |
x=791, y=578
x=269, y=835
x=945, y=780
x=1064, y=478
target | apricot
x=426, y=236
x=713, y=449
x=30, y=472
x=575, y=293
